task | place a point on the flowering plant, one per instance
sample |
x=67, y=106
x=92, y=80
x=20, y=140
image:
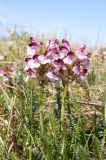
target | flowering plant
x=55, y=60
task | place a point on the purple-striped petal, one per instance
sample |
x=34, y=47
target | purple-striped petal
x=52, y=77
x=31, y=72
x=66, y=44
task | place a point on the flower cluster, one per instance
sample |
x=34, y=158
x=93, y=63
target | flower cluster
x=56, y=60
x=6, y=73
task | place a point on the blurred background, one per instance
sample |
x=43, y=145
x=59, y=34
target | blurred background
x=78, y=20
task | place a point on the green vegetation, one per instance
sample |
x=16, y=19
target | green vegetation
x=52, y=122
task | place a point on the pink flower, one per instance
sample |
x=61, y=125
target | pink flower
x=68, y=59
x=52, y=54
x=59, y=64
x=80, y=55
x=6, y=73
x=43, y=59
x=65, y=45
x=52, y=76
x=81, y=68
x=64, y=49
x=82, y=47
x=53, y=44
x=85, y=63
x=33, y=48
x=62, y=54
x=80, y=52
x=34, y=63
x=56, y=56
x=33, y=42
x=31, y=72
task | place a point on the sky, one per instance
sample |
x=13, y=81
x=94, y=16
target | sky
x=82, y=21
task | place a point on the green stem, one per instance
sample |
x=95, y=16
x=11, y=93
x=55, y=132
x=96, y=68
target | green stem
x=41, y=112
x=42, y=126
x=63, y=121
x=63, y=105
x=31, y=110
